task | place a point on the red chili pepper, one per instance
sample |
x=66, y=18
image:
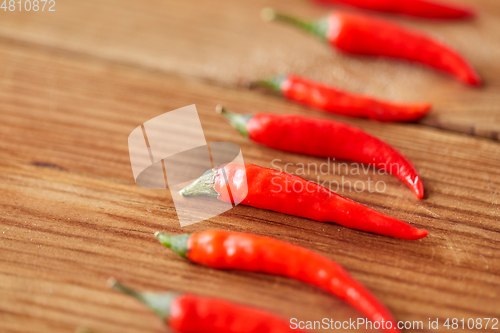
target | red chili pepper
x=325, y=138
x=242, y=251
x=188, y=313
x=331, y=99
x=418, y=8
x=363, y=35
x=281, y=192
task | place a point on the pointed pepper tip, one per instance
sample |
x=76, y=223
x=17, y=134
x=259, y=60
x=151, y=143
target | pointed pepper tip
x=476, y=81
x=419, y=189
x=417, y=112
x=423, y=108
x=421, y=233
x=465, y=12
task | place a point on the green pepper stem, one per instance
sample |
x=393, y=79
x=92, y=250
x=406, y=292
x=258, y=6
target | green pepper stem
x=201, y=186
x=238, y=121
x=177, y=243
x=274, y=83
x=318, y=28
x=124, y=289
x=158, y=303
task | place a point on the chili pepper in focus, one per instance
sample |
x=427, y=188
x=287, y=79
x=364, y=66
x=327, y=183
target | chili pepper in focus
x=325, y=138
x=187, y=313
x=285, y=193
x=331, y=99
x=247, y=252
x=363, y=35
x=418, y=8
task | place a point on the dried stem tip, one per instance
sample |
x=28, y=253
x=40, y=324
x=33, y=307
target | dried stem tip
x=268, y=14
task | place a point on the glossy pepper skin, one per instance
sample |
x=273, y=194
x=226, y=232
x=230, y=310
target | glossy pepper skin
x=417, y=8
x=187, y=313
x=333, y=100
x=359, y=34
x=247, y=252
x=285, y=193
x=325, y=138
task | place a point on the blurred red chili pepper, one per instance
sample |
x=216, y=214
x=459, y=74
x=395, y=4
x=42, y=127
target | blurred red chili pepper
x=325, y=138
x=281, y=192
x=363, y=35
x=247, y=252
x=418, y=8
x=331, y=99
x=188, y=313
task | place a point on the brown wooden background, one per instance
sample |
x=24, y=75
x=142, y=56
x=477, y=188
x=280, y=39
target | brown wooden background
x=75, y=82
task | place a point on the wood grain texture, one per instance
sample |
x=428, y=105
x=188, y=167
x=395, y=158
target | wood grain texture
x=72, y=216
x=227, y=43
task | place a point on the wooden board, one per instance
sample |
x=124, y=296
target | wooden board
x=227, y=43
x=72, y=216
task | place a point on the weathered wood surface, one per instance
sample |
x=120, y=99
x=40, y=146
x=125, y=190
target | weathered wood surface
x=226, y=42
x=75, y=84
x=72, y=215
